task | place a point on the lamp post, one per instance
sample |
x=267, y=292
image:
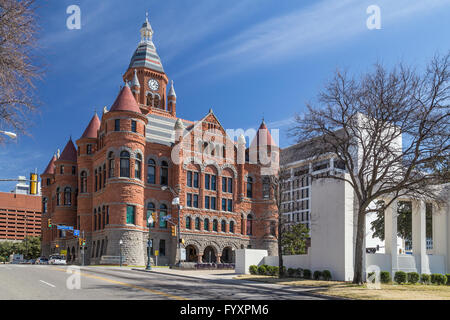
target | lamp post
x=149, y=243
x=120, y=252
x=176, y=201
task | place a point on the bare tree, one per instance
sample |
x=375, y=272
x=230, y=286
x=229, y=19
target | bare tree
x=390, y=129
x=17, y=71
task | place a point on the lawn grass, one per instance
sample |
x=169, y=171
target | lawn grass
x=348, y=290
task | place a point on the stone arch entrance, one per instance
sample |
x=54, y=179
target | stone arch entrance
x=191, y=253
x=73, y=254
x=209, y=255
x=227, y=255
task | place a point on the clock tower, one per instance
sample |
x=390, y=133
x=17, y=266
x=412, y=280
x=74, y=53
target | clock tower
x=146, y=76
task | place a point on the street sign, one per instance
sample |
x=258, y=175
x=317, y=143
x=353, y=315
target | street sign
x=150, y=220
x=166, y=217
x=76, y=233
x=156, y=253
x=65, y=228
x=149, y=243
x=63, y=252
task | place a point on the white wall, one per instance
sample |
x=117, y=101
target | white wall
x=247, y=257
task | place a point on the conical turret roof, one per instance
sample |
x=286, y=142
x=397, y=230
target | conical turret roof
x=125, y=101
x=264, y=132
x=92, y=128
x=51, y=166
x=69, y=153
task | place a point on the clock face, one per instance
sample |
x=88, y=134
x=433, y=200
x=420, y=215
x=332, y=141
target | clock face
x=153, y=84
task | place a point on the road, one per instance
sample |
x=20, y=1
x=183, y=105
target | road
x=46, y=282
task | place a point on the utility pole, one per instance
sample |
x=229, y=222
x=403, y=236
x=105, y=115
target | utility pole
x=82, y=249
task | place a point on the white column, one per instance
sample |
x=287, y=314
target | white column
x=390, y=235
x=439, y=221
x=419, y=240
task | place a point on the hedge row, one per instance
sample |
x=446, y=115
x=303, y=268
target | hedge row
x=267, y=270
x=402, y=277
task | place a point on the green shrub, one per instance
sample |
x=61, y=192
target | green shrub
x=262, y=270
x=291, y=272
x=326, y=274
x=438, y=279
x=298, y=272
x=307, y=274
x=413, y=277
x=272, y=270
x=400, y=277
x=425, y=278
x=317, y=274
x=448, y=278
x=253, y=269
x=385, y=277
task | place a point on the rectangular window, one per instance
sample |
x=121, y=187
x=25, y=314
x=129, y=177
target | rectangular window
x=162, y=220
x=224, y=204
x=130, y=214
x=206, y=202
x=62, y=170
x=117, y=125
x=230, y=185
x=224, y=184
x=133, y=126
x=195, y=200
x=189, y=200
x=189, y=178
x=230, y=205
x=213, y=182
x=195, y=179
x=74, y=170
x=207, y=180
x=89, y=149
x=213, y=203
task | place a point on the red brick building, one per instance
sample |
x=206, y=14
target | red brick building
x=20, y=216
x=137, y=158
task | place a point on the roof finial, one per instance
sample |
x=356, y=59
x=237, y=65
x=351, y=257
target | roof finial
x=146, y=30
x=146, y=16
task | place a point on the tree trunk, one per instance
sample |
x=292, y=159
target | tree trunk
x=280, y=247
x=359, y=247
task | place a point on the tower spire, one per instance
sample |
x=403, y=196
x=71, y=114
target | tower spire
x=146, y=30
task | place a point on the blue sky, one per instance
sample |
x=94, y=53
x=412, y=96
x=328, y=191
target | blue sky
x=246, y=59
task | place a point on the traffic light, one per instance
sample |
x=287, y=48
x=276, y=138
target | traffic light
x=174, y=232
x=49, y=223
x=80, y=241
x=154, y=216
x=182, y=241
x=84, y=242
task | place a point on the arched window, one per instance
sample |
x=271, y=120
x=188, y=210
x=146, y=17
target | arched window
x=44, y=205
x=232, y=226
x=150, y=210
x=249, y=187
x=111, y=164
x=151, y=171
x=125, y=164
x=249, y=225
x=215, y=225
x=103, y=217
x=150, y=100
x=67, y=196
x=95, y=219
x=188, y=222
x=164, y=173
x=156, y=101
x=162, y=215
x=206, y=224
x=197, y=223
x=137, y=166
x=223, y=224
x=58, y=197
x=99, y=178
x=83, y=182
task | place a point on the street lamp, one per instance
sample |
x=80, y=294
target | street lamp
x=12, y=135
x=149, y=243
x=176, y=201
